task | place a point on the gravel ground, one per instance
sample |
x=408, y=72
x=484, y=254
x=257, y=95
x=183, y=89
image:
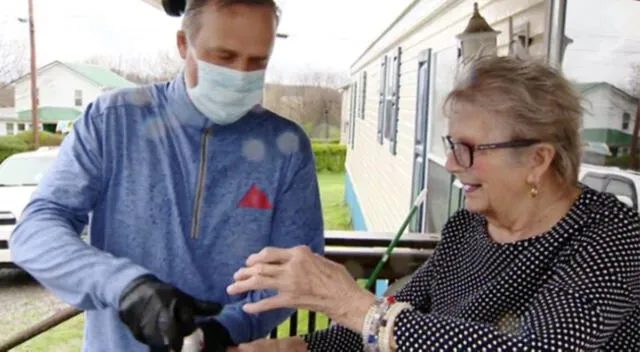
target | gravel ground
x=23, y=302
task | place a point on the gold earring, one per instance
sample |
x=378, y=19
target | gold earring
x=533, y=191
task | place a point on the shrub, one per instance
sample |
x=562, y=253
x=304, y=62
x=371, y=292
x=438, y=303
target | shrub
x=22, y=142
x=325, y=141
x=46, y=138
x=10, y=145
x=329, y=157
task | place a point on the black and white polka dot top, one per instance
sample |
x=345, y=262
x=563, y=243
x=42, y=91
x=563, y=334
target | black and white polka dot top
x=575, y=287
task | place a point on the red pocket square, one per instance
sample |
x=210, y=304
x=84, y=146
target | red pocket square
x=255, y=198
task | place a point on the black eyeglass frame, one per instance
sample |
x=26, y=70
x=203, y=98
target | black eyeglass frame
x=516, y=143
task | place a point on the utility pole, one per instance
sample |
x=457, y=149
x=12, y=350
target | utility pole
x=633, y=157
x=35, y=125
x=326, y=123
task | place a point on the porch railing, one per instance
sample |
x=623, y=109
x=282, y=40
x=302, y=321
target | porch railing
x=358, y=251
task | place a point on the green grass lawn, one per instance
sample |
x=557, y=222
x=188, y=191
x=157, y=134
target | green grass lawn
x=67, y=337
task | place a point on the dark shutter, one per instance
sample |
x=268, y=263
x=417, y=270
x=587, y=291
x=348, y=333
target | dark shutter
x=363, y=92
x=421, y=136
x=395, y=102
x=382, y=101
x=352, y=114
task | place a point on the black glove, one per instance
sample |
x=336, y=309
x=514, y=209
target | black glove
x=216, y=336
x=157, y=313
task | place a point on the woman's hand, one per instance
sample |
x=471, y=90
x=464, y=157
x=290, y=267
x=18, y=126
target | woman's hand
x=303, y=280
x=290, y=344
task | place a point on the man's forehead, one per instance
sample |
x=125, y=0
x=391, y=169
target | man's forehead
x=237, y=28
x=238, y=12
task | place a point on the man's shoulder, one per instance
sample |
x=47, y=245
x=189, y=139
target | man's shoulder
x=279, y=127
x=275, y=120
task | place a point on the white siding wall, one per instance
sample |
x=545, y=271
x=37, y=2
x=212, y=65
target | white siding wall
x=7, y=115
x=57, y=86
x=595, y=103
x=604, y=109
x=18, y=126
x=619, y=105
x=383, y=180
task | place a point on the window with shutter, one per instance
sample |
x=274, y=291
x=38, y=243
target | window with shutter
x=363, y=94
x=352, y=114
x=388, y=104
x=395, y=102
x=382, y=99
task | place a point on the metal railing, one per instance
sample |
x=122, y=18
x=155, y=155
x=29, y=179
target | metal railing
x=358, y=251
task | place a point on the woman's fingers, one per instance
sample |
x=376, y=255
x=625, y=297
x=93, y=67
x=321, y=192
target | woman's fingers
x=273, y=302
x=257, y=282
x=270, y=255
x=270, y=270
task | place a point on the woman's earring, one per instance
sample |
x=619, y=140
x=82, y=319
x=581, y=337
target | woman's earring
x=533, y=191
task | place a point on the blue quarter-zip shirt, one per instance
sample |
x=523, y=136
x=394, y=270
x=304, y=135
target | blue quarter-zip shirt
x=172, y=194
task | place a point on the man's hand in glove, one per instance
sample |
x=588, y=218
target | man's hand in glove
x=159, y=314
x=216, y=336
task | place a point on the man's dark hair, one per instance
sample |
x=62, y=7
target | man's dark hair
x=191, y=9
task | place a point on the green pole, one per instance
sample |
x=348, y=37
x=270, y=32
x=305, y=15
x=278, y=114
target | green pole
x=416, y=205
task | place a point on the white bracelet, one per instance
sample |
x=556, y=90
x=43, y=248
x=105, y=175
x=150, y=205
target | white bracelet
x=386, y=331
x=372, y=322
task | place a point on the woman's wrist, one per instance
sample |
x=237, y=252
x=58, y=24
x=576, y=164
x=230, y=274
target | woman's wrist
x=353, y=311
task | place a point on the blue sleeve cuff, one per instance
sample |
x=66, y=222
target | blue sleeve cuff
x=118, y=282
x=244, y=327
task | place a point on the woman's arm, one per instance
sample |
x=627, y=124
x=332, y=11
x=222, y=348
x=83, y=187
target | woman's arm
x=580, y=309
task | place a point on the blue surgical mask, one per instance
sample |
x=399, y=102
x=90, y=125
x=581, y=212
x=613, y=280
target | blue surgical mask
x=225, y=95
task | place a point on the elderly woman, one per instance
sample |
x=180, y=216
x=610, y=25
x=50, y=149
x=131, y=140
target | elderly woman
x=535, y=261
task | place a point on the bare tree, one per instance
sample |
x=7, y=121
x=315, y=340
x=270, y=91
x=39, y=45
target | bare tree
x=160, y=66
x=634, y=80
x=13, y=59
x=311, y=100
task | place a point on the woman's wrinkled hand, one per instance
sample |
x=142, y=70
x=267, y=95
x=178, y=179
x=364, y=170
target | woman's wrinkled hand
x=290, y=344
x=303, y=280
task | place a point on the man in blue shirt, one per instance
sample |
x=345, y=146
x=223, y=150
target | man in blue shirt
x=181, y=181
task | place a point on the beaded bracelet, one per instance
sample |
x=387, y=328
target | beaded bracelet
x=372, y=322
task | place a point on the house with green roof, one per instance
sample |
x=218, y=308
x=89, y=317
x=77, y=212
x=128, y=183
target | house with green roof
x=608, y=119
x=64, y=90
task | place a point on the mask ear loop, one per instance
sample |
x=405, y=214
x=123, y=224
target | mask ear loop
x=191, y=50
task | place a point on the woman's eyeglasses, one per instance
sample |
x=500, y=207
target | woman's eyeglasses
x=463, y=152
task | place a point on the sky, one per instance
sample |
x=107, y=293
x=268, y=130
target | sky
x=606, y=40
x=323, y=34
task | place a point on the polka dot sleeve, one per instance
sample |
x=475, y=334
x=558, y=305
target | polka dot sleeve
x=335, y=338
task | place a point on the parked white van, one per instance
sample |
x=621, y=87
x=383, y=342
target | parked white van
x=19, y=176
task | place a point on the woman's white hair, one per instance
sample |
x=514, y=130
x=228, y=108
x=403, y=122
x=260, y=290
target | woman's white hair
x=535, y=101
